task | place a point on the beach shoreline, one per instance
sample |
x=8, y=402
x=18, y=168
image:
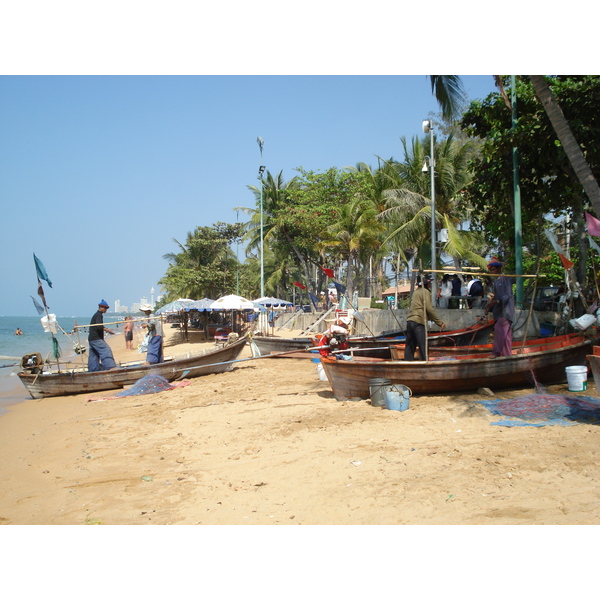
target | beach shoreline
x=267, y=443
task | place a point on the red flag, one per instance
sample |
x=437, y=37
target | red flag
x=567, y=264
x=41, y=292
x=297, y=283
x=593, y=225
x=328, y=272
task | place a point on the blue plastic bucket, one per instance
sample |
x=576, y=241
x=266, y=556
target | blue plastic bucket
x=397, y=397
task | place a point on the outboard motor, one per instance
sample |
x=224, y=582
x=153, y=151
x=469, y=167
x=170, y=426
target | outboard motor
x=33, y=363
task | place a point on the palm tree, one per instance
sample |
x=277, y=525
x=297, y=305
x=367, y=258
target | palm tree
x=356, y=233
x=409, y=212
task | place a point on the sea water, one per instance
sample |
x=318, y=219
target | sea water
x=34, y=339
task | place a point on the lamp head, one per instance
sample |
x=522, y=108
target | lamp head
x=425, y=167
x=427, y=125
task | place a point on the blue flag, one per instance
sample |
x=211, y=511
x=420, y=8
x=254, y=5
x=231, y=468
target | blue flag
x=341, y=289
x=37, y=306
x=41, y=270
x=314, y=299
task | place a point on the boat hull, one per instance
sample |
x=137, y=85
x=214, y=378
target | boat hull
x=349, y=380
x=68, y=383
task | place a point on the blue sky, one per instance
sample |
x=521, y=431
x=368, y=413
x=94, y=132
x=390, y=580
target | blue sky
x=100, y=173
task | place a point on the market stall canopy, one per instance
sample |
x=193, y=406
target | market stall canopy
x=273, y=302
x=175, y=306
x=232, y=302
x=201, y=305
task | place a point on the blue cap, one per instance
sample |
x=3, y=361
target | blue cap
x=103, y=303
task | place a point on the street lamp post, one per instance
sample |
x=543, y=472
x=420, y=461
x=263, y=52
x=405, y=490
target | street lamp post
x=428, y=128
x=261, y=170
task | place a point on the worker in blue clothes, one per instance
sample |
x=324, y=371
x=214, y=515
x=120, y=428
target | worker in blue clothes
x=100, y=356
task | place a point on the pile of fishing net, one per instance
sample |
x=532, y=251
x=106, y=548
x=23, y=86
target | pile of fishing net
x=538, y=410
x=148, y=384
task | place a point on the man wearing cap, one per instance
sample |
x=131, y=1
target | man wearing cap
x=100, y=356
x=421, y=308
x=155, y=336
x=502, y=305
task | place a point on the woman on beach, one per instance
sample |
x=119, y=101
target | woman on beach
x=445, y=290
x=128, y=329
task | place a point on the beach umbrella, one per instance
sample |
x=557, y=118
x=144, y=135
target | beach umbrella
x=274, y=303
x=200, y=305
x=232, y=302
x=175, y=306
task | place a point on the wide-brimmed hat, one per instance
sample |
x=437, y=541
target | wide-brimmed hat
x=145, y=307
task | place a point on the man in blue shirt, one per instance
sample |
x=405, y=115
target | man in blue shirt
x=100, y=356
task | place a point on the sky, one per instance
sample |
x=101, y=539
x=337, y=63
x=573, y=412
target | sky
x=119, y=135
x=100, y=173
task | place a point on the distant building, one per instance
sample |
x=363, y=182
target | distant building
x=119, y=308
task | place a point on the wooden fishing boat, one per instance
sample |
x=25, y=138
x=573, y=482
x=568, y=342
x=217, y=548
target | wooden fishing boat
x=594, y=360
x=77, y=381
x=377, y=346
x=531, y=345
x=544, y=363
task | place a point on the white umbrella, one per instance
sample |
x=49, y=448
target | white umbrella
x=174, y=306
x=232, y=302
x=273, y=302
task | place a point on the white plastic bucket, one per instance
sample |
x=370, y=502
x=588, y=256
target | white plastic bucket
x=321, y=372
x=576, y=378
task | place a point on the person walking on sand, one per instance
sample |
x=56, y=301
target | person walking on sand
x=421, y=308
x=502, y=305
x=100, y=356
x=128, y=330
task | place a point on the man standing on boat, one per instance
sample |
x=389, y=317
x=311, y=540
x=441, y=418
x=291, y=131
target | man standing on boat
x=100, y=356
x=502, y=305
x=155, y=336
x=421, y=309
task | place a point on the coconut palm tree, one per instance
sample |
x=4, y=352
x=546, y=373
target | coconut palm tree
x=409, y=211
x=356, y=234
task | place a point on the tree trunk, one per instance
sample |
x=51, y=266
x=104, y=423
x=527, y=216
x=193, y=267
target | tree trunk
x=567, y=139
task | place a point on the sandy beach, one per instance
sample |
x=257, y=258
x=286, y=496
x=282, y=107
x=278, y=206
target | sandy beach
x=267, y=443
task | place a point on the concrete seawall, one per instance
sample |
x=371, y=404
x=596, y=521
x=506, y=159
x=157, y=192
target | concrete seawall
x=379, y=321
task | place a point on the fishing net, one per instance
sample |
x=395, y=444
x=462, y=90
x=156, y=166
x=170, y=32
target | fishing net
x=538, y=410
x=55, y=348
x=148, y=384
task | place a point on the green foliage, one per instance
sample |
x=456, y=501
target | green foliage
x=547, y=183
x=205, y=267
